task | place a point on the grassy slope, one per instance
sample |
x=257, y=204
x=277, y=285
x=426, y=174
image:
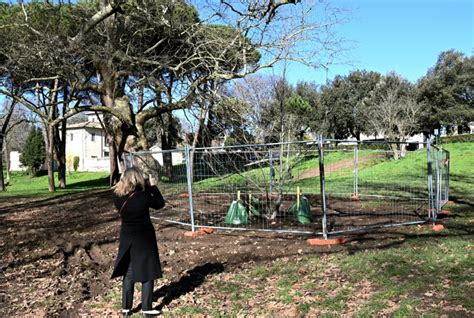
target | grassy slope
x=22, y=185
x=377, y=175
x=419, y=272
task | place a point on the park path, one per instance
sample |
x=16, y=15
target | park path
x=347, y=163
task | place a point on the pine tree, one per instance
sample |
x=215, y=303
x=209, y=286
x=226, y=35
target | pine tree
x=34, y=153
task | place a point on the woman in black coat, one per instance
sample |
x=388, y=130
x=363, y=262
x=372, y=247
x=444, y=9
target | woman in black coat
x=138, y=259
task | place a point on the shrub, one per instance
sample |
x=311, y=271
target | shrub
x=76, y=163
x=458, y=138
x=34, y=153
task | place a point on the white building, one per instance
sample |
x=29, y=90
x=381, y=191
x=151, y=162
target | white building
x=15, y=164
x=88, y=141
x=177, y=157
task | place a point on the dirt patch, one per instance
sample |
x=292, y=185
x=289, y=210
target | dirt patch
x=58, y=254
x=311, y=173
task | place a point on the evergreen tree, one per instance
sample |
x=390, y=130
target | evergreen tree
x=447, y=92
x=34, y=153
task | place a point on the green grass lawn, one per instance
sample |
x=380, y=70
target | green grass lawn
x=22, y=185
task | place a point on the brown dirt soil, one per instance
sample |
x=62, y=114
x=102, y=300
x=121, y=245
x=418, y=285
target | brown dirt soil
x=57, y=254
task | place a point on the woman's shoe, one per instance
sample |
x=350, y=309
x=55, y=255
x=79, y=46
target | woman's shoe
x=152, y=312
x=126, y=312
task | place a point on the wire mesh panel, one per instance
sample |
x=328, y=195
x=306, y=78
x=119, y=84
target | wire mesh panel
x=323, y=186
x=374, y=184
x=169, y=169
x=442, y=156
x=256, y=187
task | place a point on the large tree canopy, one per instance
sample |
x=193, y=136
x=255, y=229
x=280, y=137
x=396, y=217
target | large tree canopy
x=137, y=60
x=343, y=104
x=447, y=92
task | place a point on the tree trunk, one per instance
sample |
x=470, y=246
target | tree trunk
x=167, y=156
x=3, y=132
x=7, y=161
x=2, y=181
x=61, y=157
x=125, y=133
x=50, y=134
x=114, y=168
x=113, y=98
x=49, y=141
x=61, y=147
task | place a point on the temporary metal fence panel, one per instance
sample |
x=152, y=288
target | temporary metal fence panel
x=261, y=179
x=374, y=184
x=442, y=156
x=347, y=185
x=169, y=169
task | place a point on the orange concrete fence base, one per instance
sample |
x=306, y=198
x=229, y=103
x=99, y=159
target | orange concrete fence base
x=199, y=232
x=335, y=241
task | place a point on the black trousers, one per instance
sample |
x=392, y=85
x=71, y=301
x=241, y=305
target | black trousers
x=128, y=289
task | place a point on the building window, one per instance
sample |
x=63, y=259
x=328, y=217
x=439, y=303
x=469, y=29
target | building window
x=72, y=136
x=106, y=143
x=106, y=154
x=92, y=137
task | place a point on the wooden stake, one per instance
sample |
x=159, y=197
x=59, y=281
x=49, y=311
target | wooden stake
x=238, y=195
x=297, y=198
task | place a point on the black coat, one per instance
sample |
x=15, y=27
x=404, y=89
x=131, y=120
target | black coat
x=137, y=235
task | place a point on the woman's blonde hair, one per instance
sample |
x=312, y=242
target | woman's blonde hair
x=131, y=180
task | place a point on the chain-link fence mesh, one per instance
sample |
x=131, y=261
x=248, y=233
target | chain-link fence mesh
x=169, y=169
x=262, y=179
x=373, y=184
x=325, y=186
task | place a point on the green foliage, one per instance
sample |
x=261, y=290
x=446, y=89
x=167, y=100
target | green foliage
x=343, y=108
x=76, y=163
x=458, y=138
x=447, y=91
x=22, y=185
x=39, y=50
x=33, y=154
x=299, y=105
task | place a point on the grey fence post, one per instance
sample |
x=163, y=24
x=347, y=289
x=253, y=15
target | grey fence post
x=430, y=180
x=322, y=183
x=447, y=164
x=189, y=175
x=356, y=170
x=438, y=184
x=272, y=171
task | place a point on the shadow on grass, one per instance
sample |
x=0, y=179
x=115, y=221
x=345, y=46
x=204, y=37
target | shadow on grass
x=187, y=283
x=56, y=198
x=95, y=183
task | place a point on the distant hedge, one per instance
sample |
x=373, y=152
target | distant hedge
x=458, y=138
